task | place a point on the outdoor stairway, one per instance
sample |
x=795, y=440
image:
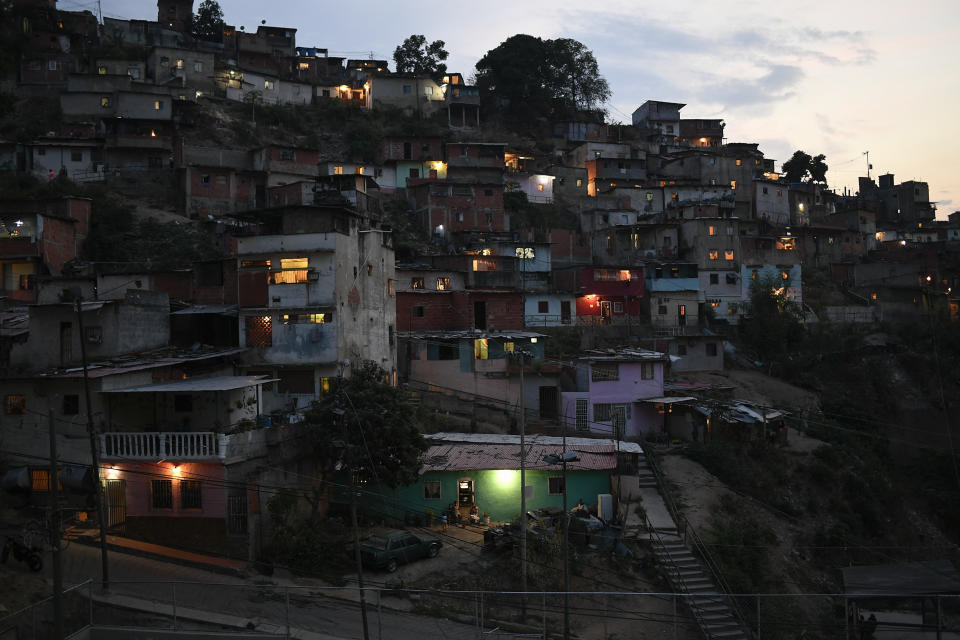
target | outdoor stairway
x=645, y=474
x=686, y=574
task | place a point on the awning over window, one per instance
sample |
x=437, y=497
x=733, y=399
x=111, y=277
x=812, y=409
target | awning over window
x=667, y=400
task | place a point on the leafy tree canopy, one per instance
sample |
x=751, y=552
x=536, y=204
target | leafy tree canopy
x=415, y=55
x=528, y=76
x=366, y=426
x=772, y=327
x=802, y=167
x=208, y=21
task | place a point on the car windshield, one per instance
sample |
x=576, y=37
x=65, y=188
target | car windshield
x=376, y=542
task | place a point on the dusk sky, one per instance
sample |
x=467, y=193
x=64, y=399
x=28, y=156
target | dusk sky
x=837, y=78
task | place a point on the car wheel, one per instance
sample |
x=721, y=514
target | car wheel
x=433, y=551
x=391, y=565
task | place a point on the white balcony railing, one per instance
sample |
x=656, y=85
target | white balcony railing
x=162, y=445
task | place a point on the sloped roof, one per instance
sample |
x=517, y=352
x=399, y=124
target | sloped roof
x=471, y=457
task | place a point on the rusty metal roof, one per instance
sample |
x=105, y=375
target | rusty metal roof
x=471, y=457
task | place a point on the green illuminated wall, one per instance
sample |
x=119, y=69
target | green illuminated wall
x=497, y=493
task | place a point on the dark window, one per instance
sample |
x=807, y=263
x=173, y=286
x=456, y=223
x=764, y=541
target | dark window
x=76, y=156
x=431, y=489
x=488, y=192
x=191, y=496
x=161, y=494
x=448, y=352
x=711, y=348
x=714, y=278
x=418, y=311
x=543, y=306
x=71, y=404
x=296, y=381
x=414, y=173
x=183, y=403
x=681, y=349
x=555, y=485
x=604, y=372
x=662, y=310
x=16, y=404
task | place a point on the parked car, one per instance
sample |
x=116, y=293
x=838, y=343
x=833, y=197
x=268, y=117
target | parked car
x=388, y=548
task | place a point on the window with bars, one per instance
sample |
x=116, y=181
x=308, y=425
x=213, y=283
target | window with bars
x=161, y=494
x=260, y=331
x=191, y=495
x=581, y=413
x=605, y=412
x=602, y=372
x=555, y=486
x=40, y=480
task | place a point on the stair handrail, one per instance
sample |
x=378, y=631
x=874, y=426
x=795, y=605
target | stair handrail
x=690, y=537
x=688, y=533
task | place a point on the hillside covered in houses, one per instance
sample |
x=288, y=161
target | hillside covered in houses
x=207, y=233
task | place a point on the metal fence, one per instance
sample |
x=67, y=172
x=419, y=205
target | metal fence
x=393, y=611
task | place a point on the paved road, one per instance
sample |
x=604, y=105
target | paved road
x=263, y=604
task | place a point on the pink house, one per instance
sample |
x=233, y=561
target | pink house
x=617, y=393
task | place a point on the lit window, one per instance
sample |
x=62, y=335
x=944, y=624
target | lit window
x=443, y=284
x=197, y=66
x=268, y=85
x=754, y=275
x=416, y=283
x=306, y=318
x=508, y=347
x=390, y=289
x=713, y=254
x=157, y=105
x=739, y=162
x=338, y=170
x=179, y=63
x=359, y=171
x=711, y=230
x=579, y=182
x=785, y=275
x=728, y=254
x=105, y=102
x=102, y=71
x=524, y=253
x=481, y=349
x=733, y=184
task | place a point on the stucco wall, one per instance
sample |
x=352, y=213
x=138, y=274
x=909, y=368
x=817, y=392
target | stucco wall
x=497, y=492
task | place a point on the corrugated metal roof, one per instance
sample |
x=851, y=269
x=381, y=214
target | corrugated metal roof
x=554, y=442
x=667, y=399
x=215, y=383
x=469, y=334
x=221, y=309
x=473, y=457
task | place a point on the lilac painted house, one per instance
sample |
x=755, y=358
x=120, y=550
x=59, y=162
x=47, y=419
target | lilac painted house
x=616, y=393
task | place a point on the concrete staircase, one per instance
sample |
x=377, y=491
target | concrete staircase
x=686, y=573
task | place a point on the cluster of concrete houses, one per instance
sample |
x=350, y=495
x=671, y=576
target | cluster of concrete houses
x=199, y=375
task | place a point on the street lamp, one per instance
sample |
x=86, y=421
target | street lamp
x=562, y=459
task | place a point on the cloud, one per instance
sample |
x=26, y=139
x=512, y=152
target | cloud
x=823, y=121
x=775, y=85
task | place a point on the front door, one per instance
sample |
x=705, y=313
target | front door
x=465, y=497
x=605, y=310
x=116, y=503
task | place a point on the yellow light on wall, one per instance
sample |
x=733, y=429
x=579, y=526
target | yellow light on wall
x=505, y=478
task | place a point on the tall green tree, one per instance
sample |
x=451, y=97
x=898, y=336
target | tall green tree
x=802, y=167
x=773, y=325
x=415, y=55
x=529, y=77
x=366, y=427
x=208, y=21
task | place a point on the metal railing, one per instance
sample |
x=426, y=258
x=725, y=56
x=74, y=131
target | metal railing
x=163, y=445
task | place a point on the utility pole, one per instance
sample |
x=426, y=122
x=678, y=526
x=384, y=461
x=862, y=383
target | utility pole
x=55, y=535
x=94, y=453
x=353, y=504
x=869, y=166
x=523, y=493
x=566, y=543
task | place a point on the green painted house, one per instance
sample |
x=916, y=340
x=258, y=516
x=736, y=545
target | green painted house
x=484, y=470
